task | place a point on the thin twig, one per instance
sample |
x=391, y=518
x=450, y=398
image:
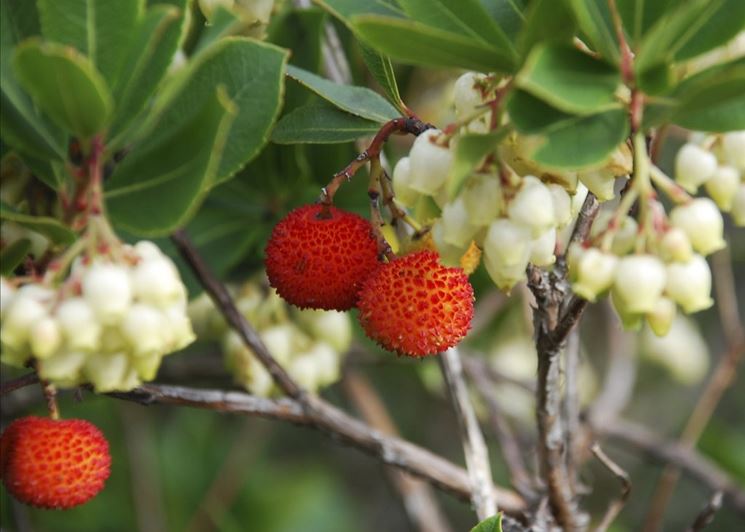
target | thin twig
x=12, y=385
x=616, y=506
x=706, y=516
x=571, y=406
x=474, y=447
x=419, y=501
x=390, y=450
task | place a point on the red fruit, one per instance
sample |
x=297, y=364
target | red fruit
x=415, y=306
x=53, y=464
x=317, y=262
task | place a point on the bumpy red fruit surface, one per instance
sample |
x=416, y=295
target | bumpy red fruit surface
x=53, y=464
x=321, y=262
x=415, y=306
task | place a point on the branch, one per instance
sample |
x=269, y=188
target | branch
x=12, y=385
x=477, y=455
x=329, y=419
x=706, y=516
x=615, y=507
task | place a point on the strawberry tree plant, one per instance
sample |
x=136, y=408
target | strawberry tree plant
x=253, y=175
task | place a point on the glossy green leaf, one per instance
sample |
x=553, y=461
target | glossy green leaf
x=569, y=79
x=65, y=86
x=100, y=29
x=582, y=141
x=346, y=9
x=21, y=125
x=639, y=16
x=381, y=68
x=252, y=73
x=359, y=101
x=531, y=115
x=13, y=255
x=224, y=22
x=462, y=17
x=717, y=105
x=509, y=14
x=49, y=227
x=490, y=524
x=146, y=62
x=417, y=44
x=547, y=21
x=161, y=183
x=721, y=26
x=319, y=123
x=595, y=21
x=469, y=152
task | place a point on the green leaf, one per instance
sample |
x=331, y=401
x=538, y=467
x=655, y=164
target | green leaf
x=160, y=184
x=12, y=256
x=582, y=141
x=49, y=227
x=490, y=524
x=320, y=123
x=569, y=79
x=21, y=126
x=469, y=152
x=717, y=105
x=509, y=14
x=530, y=115
x=252, y=72
x=596, y=23
x=146, y=62
x=65, y=85
x=547, y=21
x=418, y=44
x=100, y=29
x=724, y=24
x=223, y=22
x=346, y=9
x=461, y=17
x=640, y=15
x=381, y=68
x=359, y=101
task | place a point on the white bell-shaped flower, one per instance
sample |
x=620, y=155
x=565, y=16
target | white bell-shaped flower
x=107, y=372
x=429, y=163
x=303, y=369
x=450, y=255
x=738, y=206
x=482, y=199
x=107, y=289
x=507, y=243
x=533, y=206
x=542, y=248
x=467, y=95
x=457, y=229
x=63, y=367
x=639, y=282
x=675, y=246
x=723, y=185
x=660, y=319
x=23, y=312
x=562, y=204
x=279, y=341
x=683, y=351
x=599, y=182
x=46, y=337
x=329, y=326
x=578, y=199
x=80, y=328
x=595, y=271
x=326, y=362
x=156, y=281
x=182, y=333
x=505, y=276
x=689, y=284
x=405, y=195
x=694, y=166
x=733, y=149
x=702, y=222
x=7, y=292
x=631, y=321
x=144, y=328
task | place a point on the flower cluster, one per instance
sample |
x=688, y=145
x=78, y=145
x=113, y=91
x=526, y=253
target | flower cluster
x=309, y=344
x=109, y=323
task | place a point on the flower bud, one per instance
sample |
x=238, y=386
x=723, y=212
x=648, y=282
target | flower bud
x=106, y=288
x=22, y=313
x=79, y=325
x=405, y=195
x=733, y=149
x=507, y=243
x=595, y=273
x=533, y=206
x=694, y=166
x=562, y=204
x=542, y=249
x=107, y=371
x=143, y=327
x=429, y=163
x=599, y=182
x=675, y=246
x=482, y=199
x=46, y=337
x=702, y=222
x=738, y=206
x=661, y=318
x=467, y=96
x=639, y=282
x=63, y=368
x=457, y=229
x=156, y=281
x=689, y=284
x=722, y=186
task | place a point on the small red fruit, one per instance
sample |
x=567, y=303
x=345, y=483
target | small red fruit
x=320, y=262
x=415, y=306
x=53, y=464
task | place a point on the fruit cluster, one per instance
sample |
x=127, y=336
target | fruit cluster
x=109, y=323
x=55, y=464
x=309, y=344
x=325, y=258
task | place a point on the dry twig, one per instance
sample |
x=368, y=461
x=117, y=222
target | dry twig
x=616, y=506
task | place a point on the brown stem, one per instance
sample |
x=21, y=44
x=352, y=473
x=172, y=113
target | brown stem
x=19, y=382
x=616, y=506
x=706, y=516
